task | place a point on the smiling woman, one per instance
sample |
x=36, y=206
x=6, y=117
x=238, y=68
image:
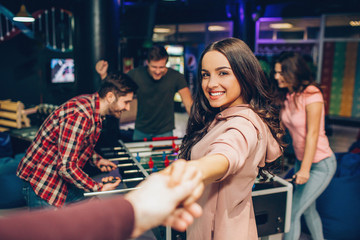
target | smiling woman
x=229, y=138
x=219, y=83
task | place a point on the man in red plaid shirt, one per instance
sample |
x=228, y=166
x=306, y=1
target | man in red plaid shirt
x=53, y=164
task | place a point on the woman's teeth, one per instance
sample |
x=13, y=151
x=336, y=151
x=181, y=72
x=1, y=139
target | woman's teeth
x=216, y=93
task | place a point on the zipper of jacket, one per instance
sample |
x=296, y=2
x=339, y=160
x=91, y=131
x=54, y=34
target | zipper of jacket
x=212, y=229
x=213, y=220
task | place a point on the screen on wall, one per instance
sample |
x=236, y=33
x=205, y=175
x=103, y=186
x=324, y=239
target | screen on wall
x=62, y=70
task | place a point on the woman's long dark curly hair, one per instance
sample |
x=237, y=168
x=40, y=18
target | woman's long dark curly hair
x=255, y=90
x=296, y=72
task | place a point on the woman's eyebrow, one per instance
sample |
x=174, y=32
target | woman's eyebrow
x=218, y=68
x=223, y=67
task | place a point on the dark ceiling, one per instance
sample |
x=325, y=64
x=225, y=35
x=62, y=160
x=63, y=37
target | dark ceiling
x=208, y=10
x=178, y=11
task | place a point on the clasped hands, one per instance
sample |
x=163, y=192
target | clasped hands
x=168, y=198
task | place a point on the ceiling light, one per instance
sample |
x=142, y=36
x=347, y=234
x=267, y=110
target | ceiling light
x=161, y=30
x=216, y=28
x=23, y=15
x=354, y=23
x=280, y=25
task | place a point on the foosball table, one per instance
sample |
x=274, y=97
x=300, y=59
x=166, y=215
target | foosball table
x=137, y=160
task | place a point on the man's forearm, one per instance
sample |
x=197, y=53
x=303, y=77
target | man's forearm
x=79, y=178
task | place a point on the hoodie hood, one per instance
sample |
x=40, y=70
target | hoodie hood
x=273, y=150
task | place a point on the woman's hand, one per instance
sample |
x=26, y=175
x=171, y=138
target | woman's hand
x=302, y=176
x=167, y=197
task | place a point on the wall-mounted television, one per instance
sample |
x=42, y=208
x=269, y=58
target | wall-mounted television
x=62, y=70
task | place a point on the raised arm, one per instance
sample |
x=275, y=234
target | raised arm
x=101, y=68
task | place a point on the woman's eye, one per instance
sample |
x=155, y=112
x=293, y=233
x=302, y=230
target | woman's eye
x=204, y=75
x=223, y=73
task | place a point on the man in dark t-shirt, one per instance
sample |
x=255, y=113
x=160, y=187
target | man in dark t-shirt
x=155, y=95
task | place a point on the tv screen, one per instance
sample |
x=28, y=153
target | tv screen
x=62, y=70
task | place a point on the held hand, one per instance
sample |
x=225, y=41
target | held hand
x=101, y=68
x=180, y=171
x=302, y=176
x=159, y=202
x=110, y=183
x=106, y=165
x=183, y=217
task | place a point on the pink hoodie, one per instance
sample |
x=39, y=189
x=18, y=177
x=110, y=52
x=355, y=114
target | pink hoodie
x=244, y=139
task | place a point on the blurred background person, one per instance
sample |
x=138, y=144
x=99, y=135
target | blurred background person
x=303, y=114
x=155, y=96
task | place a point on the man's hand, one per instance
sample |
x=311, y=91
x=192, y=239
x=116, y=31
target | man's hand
x=110, y=183
x=106, y=165
x=162, y=198
x=101, y=68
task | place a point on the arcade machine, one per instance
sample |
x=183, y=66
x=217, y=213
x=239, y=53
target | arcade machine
x=137, y=160
x=176, y=57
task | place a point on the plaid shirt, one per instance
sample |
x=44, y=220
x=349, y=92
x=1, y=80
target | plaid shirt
x=62, y=146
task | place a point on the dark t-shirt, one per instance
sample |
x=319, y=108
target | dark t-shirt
x=155, y=114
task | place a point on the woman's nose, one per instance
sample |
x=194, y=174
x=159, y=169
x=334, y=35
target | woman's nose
x=213, y=82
